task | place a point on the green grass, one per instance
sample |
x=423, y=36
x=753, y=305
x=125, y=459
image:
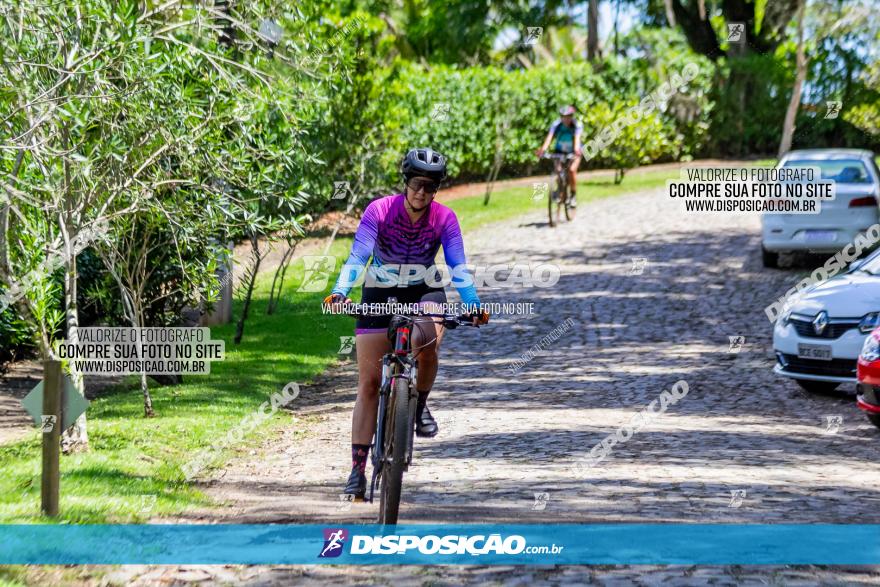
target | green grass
x=12, y=576
x=134, y=461
x=133, y=458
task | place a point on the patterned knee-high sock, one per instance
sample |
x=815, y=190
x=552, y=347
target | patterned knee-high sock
x=359, y=454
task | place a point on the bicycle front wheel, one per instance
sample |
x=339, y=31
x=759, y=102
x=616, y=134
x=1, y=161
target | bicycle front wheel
x=569, y=211
x=397, y=430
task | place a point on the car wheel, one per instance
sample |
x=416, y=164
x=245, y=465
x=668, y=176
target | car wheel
x=817, y=386
x=769, y=259
x=875, y=419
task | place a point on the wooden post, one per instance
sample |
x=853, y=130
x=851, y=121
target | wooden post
x=53, y=383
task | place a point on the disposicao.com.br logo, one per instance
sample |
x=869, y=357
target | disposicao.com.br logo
x=453, y=544
x=334, y=541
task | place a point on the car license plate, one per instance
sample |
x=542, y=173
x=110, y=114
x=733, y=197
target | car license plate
x=817, y=352
x=820, y=236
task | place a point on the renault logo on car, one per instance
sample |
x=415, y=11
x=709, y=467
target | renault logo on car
x=820, y=322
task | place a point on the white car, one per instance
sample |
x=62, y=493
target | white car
x=818, y=338
x=854, y=208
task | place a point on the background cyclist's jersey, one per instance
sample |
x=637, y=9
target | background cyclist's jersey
x=563, y=136
x=388, y=235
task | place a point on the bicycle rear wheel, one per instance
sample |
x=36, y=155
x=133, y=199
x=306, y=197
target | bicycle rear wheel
x=396, y=432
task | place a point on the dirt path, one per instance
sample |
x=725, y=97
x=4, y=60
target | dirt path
x=743, y=446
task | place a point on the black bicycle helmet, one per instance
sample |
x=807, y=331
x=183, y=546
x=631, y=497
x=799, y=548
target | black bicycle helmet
x=424, y=162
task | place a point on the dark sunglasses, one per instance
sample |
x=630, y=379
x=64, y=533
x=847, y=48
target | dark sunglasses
x=430, y=187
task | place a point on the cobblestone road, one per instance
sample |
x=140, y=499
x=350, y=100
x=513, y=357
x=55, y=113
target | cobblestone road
x=742, y=446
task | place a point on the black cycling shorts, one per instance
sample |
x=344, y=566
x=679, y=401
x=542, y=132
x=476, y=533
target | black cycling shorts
x=411, y=294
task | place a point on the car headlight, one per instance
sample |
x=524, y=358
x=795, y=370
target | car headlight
x=870, y=350
x=788, y=306
x=783, y=318
x=869, y=322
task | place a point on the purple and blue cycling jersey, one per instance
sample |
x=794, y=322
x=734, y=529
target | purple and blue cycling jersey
x=388, y=235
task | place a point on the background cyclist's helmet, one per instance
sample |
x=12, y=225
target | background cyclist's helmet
x=567, y=110
x=424, y=162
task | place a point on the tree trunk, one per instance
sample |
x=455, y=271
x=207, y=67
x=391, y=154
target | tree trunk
x=75, y=438
x=670, y=14
x=148, y=401
x=500, y=137
x=138, y=321
x=280, y=272
x=593, y=30
x=252, y=278
x=133, y=310
x=226, y=34
x=800, y=77
x=616, y=21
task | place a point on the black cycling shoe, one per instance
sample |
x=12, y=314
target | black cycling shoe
x=357, y=484
x=426, y=426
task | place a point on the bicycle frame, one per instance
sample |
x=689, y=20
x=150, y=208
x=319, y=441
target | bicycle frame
x=397, y=364
x=561, y=162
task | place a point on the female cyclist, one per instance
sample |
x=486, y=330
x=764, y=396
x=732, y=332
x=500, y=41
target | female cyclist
x=400, y=229
x=565, y=134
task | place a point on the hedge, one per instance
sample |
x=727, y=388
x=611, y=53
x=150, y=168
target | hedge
x=468, y=113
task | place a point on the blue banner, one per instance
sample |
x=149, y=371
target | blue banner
x=539, y=544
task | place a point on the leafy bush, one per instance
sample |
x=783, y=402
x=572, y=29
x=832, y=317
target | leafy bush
x=651, y=139
x=16, y=337
x=744, y=124
x=468, y=113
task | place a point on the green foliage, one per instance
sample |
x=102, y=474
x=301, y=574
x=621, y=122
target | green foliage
x=348, y=137
x=743, y=124
x=16, y=336
x=651, y=139
x=140, y=116
x=491, y=108
x=838, y=71
x=129, y=463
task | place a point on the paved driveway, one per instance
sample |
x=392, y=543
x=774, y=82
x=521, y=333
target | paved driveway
x=741, y=446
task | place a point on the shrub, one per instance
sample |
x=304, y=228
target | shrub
x=16, y=337
x=465, y=113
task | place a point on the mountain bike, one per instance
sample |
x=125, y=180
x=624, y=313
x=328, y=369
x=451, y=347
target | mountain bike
x=396, y=417
x=561, y=194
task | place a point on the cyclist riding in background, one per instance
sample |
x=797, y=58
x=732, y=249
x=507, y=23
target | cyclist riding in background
x=565, y=134
x=406, y=228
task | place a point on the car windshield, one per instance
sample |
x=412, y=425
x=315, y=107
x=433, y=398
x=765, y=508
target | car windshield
x=840, y=170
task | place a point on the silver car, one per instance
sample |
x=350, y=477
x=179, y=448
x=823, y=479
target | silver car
x=853, y=210
x=818, y=338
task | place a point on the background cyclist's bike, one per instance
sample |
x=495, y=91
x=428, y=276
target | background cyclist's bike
x=560, y=195
x=395, y=420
